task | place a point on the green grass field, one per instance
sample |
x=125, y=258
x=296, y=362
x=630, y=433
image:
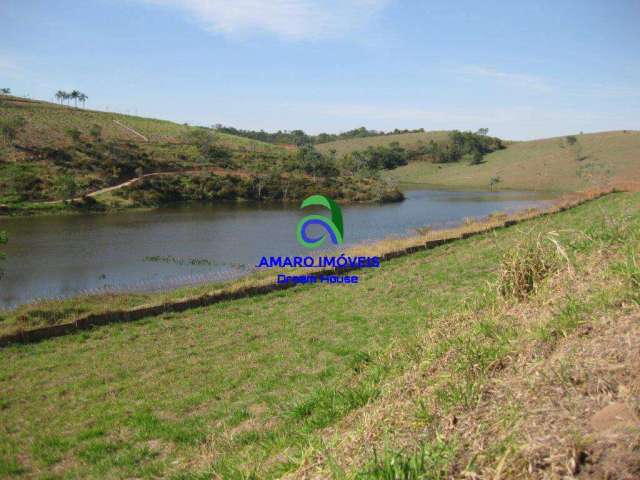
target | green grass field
x=254, y=388
x=407, y=140
x=550, y=164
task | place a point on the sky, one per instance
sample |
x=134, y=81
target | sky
x=522, y=69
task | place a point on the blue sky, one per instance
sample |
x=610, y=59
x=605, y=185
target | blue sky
x=522, y=69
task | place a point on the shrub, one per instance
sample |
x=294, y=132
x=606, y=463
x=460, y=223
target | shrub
x=525, y=267
x=476, y=158
x=22, y=182
x=376, y=158
x=65, y=186
x=96, y=132
x=73, y=134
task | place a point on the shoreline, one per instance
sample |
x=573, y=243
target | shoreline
x=259, y=283
x=64, y=210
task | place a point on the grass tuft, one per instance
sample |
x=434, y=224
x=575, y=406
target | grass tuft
x=526, y=265
x=430, y=463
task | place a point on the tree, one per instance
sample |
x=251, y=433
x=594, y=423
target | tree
x=482, y=131
x=494, y=181
x=476, y=157
x=312, y=162
x=83, y=98
x=5, y=91
x=3, y=241
x=210, y=149
x=571, y=139
x=75, y=94
x=61, y=95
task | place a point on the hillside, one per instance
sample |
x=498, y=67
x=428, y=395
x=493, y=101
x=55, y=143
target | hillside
x=550, y=164
x=47, y=124
x=54, y=158
x=440, y=364
x=406, y=140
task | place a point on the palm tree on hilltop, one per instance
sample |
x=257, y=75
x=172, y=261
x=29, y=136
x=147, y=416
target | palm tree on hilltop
x=75, y=95
x=83, y=98
x=61, y=95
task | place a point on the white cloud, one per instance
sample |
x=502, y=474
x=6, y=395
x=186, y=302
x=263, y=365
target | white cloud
x=290, y=19
x=512, y=79
x=540, y=84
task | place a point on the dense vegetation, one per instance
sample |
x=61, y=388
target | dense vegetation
x=75, y=169
x=275, y=187
x=457, y=146
x=472, y=146
x=299, y=137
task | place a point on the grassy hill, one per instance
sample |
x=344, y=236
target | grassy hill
x=406, y=140
x=433, y=365
x=47, y=124
x=553, y=164
x=548, y=164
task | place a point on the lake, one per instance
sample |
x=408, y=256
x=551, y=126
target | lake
x=62, y=256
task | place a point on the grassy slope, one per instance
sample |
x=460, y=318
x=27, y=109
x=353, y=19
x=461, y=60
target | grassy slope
x=407, y=140
x=548, y=164
x=47, y=123
x=250, y=385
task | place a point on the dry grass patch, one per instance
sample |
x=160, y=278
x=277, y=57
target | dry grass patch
x=525, y=266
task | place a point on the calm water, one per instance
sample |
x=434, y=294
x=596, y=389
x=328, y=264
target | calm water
x=63, y=256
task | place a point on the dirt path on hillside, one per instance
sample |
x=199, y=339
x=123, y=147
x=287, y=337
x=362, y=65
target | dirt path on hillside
x=127, y=183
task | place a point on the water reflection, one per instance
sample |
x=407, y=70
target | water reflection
x=66, y=255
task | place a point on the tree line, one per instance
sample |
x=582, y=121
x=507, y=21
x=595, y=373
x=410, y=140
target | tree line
x=460, y=145
x=306, y=159
x=75, y=95
x=300, y=138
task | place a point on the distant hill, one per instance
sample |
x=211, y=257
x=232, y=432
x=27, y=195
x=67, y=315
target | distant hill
x=407, y=140
x=556, y=164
